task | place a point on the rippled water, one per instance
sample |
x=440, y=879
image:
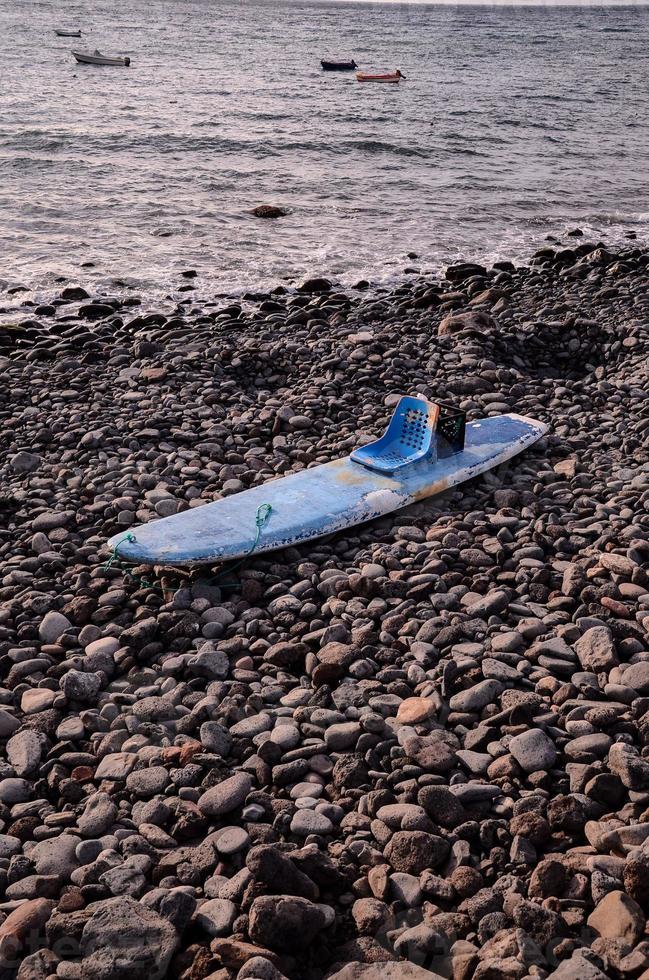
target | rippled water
x=514, y=122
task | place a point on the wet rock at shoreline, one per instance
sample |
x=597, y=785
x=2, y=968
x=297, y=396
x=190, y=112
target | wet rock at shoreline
x=269, y=211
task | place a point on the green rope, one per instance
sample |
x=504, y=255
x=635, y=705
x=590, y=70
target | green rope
x=114, y=558
x=261, y=519
x=129, y=536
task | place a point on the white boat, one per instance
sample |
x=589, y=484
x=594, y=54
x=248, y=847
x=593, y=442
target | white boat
x=97, y=58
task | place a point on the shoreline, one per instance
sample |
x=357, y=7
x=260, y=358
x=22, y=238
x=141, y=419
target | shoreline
x=71, y=300
x=419, y=742
x=184, y=281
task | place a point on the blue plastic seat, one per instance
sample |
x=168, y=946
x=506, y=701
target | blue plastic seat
x=409, y=437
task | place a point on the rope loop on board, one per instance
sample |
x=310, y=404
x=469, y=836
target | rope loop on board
x=130, y=537
x=261, y=520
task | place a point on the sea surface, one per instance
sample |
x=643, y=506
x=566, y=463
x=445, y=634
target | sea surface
x=514, y=123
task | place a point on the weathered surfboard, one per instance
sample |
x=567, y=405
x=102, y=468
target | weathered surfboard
x=320, y=501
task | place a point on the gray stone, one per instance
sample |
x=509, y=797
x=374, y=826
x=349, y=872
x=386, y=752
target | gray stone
x=578, y=967
x=70, y=728
x=405, y=888
x=24, y=751
x=98, y=817
x=124, y=879
x=215, y=738
x=226, y=796
x=125, y=940
x=38, y=699
x=14, y=790
x=343, y=736
x=307, y=822
x=52, y=519
x=210, y=663
x=499, y=671
x=414, y=851
x=216, y=916
x=275, y=870
x=145, y=783
x=255, y=725
x=88, y=851
x=596, y=649
x=476, y=697
x=533, y=750
x=34, y=886
x=154, y=709
x=490, y=605
x=259, y=968
x=471, y=792
x=115, y=765
x=231, y=840
x=25, y=462
x=80, y=686
x=53, y=626
x=105, y=646
x=393, y=814
x=383, y=971
x=154, y=812
x=8, y=723
x=175, y=904
x=56, y=856
x=637, y=677
x=625, y=761
x=9, y=846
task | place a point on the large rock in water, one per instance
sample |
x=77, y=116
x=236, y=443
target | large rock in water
x=315, y=285
x=457, y=322
x=465, y=270
x=124, y=940
x=269, y=211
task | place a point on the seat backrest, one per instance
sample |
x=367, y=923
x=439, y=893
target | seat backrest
x=409, y=437
x=412, y=425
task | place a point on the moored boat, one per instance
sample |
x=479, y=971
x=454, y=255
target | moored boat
x=67, y=33
x=97, y=58
x=393, y=77
x=339, y=65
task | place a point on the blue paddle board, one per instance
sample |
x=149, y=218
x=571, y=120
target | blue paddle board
x=319, y=501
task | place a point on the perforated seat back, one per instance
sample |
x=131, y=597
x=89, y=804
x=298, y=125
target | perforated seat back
x=408, y=438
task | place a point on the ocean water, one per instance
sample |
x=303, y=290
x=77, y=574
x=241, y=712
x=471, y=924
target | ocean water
x=514, y=123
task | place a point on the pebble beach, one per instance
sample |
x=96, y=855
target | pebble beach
x=417, y=749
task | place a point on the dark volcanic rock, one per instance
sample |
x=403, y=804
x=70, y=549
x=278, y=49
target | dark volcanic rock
x=269, y=211
x=284, y=923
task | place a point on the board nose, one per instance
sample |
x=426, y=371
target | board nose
x=124, y=545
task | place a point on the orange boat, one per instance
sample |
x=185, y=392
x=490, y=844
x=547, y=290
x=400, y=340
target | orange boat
x=393, y=77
